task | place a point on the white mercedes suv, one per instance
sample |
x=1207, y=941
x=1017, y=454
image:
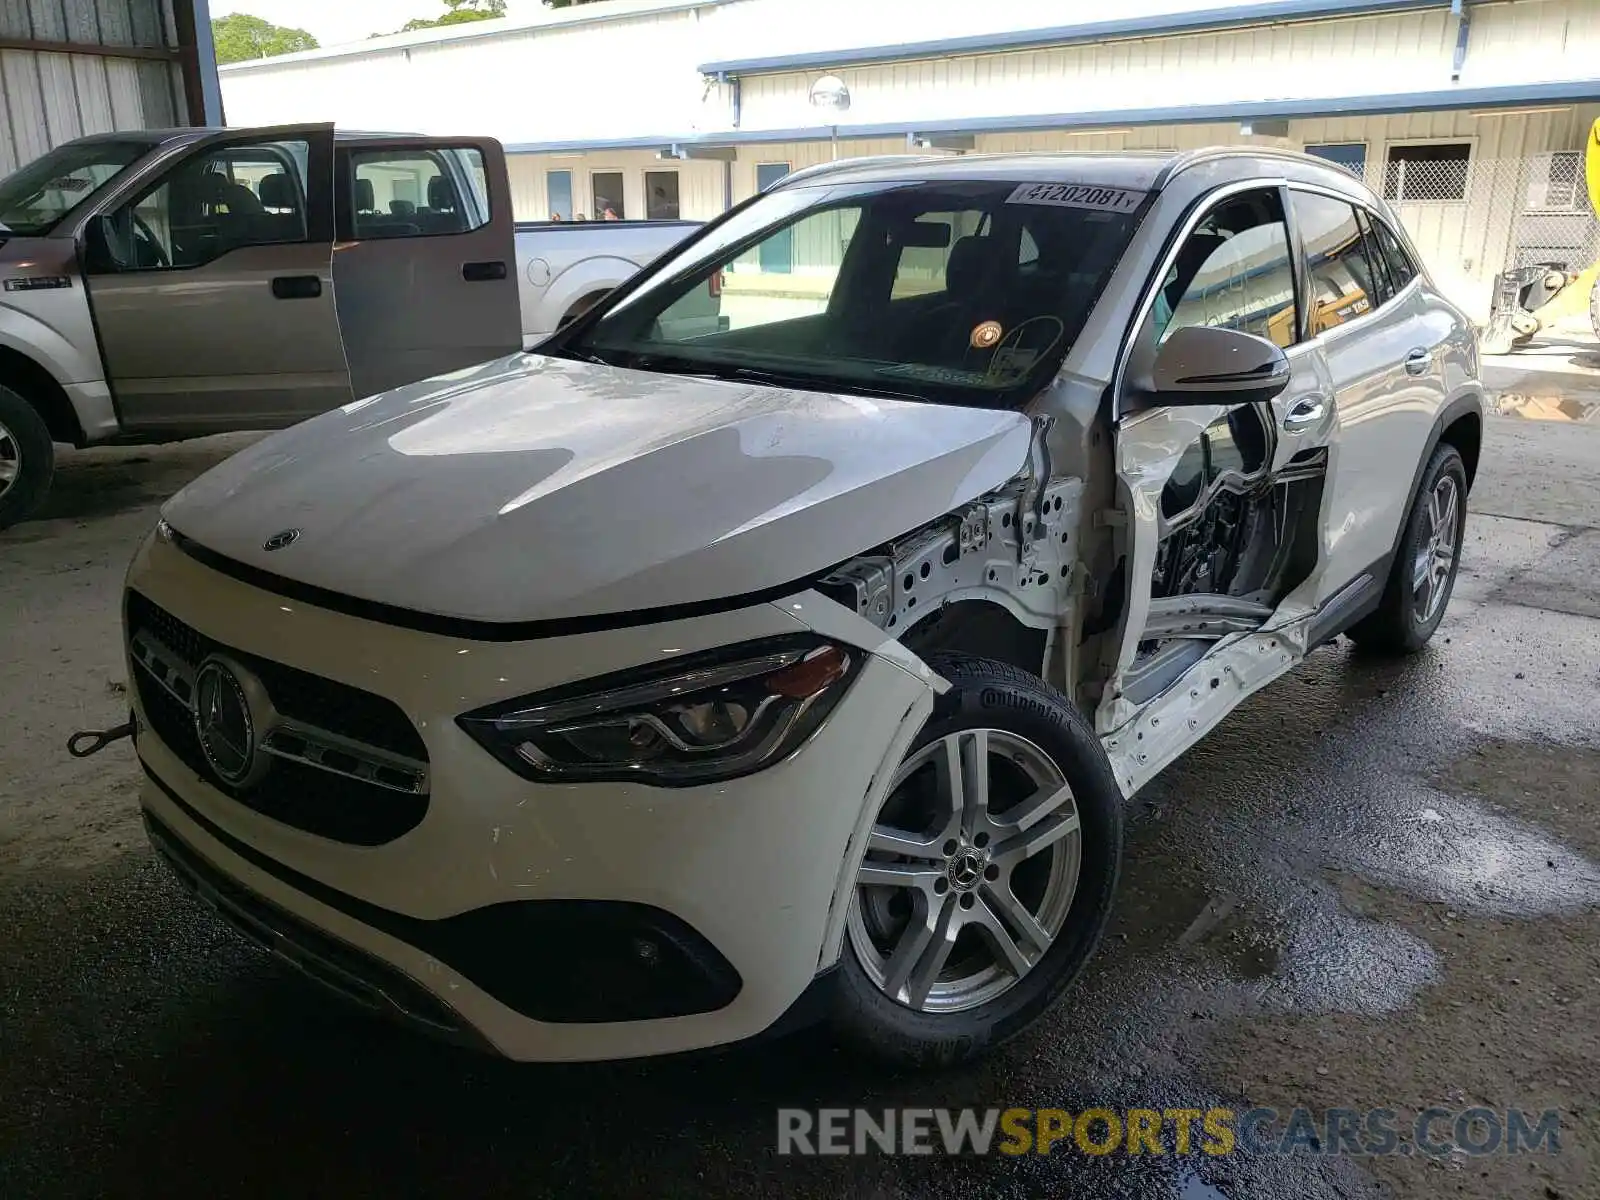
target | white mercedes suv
x=665, y=687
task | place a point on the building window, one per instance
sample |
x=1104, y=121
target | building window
x=558, y=194
x=1352, y=156
x=606, y=187
x=1437, y=171
x=661, y=195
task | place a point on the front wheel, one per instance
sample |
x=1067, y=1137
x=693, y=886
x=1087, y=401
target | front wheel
x=988, y=875
x=27, y=458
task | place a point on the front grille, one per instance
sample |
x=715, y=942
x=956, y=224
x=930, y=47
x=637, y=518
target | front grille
x=330, y=803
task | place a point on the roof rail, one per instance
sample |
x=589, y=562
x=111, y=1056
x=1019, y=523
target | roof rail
x=844, y=164
x=1185, y=159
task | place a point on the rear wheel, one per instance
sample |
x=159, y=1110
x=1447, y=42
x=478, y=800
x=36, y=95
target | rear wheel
x=27, y=458
x=1594, y=308
x=1424, y=572
x=988, y=875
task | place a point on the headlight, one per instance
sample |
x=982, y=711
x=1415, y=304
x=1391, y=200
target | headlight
x=702, y=718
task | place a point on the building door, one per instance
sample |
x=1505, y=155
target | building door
x=777, y=253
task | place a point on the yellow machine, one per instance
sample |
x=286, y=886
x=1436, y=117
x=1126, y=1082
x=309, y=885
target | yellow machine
x=1528, y=299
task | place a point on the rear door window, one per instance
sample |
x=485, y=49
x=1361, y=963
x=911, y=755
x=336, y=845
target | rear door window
x=416, y=192
x=1401, y=269
x=1344, y=285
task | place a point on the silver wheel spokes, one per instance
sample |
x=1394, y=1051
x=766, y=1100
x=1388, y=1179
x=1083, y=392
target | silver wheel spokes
x=10, y=460
x=1436, y=557
x=969, y=872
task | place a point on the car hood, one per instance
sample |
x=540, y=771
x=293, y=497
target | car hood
x=534, y=488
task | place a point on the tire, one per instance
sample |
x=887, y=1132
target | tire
x=1010, y=704
x=1400, y=625
x=581, y=307
x=27, y=455
x=1594, y=309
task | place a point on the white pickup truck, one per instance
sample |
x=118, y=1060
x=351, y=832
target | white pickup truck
x=175, y=283
x=563, y=268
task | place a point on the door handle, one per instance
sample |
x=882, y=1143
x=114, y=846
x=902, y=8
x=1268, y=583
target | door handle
x=1418, y=361
x=297, y=287
x=1307, y=410
x=483, y=272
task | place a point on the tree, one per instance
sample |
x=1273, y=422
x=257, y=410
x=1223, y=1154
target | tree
x=460, y=12
x=240, y=37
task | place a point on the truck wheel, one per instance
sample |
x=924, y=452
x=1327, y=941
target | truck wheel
x=1424, y=572
x=988, y=877
x=27, y=458
x=1594, y=308
x=581, y=307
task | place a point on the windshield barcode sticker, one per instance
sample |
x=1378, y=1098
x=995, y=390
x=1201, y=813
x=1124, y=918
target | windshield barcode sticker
x=1077, y=195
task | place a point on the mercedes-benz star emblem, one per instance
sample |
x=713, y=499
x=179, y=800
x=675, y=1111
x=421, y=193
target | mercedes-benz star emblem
x=222, y=722
x=966, y=869
x=279, y=541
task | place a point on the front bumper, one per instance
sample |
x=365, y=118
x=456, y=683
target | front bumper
x=551, y=922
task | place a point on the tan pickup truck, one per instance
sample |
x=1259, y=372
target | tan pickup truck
x=174, y=283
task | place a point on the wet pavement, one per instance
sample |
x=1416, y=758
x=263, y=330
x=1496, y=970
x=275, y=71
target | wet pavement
x=1375, y=885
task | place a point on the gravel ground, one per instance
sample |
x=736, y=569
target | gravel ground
x=1374, y=886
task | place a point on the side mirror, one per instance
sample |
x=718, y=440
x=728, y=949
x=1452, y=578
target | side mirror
x=98, y=256
x=1206, y=364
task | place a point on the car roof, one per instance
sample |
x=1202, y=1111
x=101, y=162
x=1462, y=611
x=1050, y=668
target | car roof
x=194, y=133
x=1138, y=170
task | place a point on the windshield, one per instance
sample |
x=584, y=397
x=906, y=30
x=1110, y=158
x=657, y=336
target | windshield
x=34, y=199
x=963, y=291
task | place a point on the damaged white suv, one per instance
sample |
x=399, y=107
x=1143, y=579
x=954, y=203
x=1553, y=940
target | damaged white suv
x=665, y=687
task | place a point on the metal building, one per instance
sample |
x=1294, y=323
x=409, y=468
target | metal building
x=73, y=67
x=1468, y=114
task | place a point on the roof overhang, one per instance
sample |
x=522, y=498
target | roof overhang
x=1574, y=91
x=1146, y=25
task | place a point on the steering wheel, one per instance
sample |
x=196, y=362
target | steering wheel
x=1026, y=335
x=146, y=241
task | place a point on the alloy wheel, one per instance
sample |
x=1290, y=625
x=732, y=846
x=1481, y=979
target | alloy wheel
x=1436, y=556
x=10, y=460
x=969, y=872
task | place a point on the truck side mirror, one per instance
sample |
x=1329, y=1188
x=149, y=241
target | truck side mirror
x=98, y=256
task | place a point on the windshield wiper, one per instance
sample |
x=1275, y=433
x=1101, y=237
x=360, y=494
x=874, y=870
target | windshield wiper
x=812, y=383
x=663, y=364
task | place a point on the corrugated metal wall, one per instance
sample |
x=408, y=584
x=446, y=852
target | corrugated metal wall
x=48, y=96
x=1511, y=44
x=553, y=82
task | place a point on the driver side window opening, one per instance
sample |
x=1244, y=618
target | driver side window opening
x=226, y=199
x=1234, y=271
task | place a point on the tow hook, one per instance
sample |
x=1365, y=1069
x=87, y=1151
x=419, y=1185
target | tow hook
x=89, y=742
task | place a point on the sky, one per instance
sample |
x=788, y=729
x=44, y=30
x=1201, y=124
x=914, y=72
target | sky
x=335, y=21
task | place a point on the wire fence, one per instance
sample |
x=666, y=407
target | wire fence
x=1472, y=218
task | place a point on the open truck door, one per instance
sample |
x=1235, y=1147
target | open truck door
x=425, y=266
x=211, y=285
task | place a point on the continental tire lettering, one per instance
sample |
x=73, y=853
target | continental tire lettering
x=1018, y=701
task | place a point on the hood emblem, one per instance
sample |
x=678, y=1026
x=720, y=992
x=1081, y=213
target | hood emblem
x=279, y=541
x=223, y=723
